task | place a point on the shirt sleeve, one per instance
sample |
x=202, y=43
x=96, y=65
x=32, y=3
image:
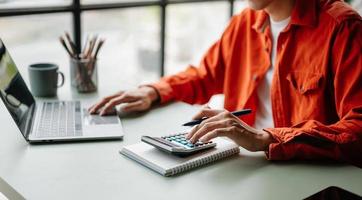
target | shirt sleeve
x=196, y=85
x=341, y=141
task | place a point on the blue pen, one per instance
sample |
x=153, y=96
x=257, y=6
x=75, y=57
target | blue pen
x=236, y=113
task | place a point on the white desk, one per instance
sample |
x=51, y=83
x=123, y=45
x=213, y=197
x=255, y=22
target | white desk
x=7, y=192
x=95, y=170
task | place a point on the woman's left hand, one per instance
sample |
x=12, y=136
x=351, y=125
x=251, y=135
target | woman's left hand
x=223, y=123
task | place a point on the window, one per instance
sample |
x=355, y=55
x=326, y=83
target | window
x=112, y=1
x=132, y=42
x=240, y=6
x=34, y=38
x=10, y=4
x=147, y=37
x=191, y=30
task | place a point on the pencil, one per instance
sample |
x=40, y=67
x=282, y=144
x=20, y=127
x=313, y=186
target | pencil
x=64, y=44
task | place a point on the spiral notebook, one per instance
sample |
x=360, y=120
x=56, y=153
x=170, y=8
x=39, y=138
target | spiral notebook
x=169, y=165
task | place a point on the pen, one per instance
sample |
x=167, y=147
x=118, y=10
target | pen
x=236, y=113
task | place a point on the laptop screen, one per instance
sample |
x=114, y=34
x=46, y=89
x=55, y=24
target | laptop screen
x=14, y=92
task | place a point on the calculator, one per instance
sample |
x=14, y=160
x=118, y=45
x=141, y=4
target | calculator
x=177, y=144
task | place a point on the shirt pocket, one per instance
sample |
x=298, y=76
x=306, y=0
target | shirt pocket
x=305, y=82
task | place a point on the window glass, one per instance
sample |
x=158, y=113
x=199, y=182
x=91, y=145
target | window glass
x=357, y=5
x=191, y=29
x=113, y=1
x=32, y=3
x=240, y=6
x=34, y=38
x=131, y=49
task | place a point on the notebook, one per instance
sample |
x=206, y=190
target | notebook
x=168, y=165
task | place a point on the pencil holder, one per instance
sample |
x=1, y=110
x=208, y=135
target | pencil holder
x=83, y=74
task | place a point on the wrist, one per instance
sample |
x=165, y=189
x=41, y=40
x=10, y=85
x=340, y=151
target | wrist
x=151, y=93
x=266, y=139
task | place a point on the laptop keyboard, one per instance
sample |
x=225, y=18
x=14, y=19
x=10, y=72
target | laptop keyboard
x=60, y=119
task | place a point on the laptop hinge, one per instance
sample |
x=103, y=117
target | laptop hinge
x=30, y=121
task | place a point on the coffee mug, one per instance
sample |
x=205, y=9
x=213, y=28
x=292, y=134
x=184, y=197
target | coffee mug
x=44, y=79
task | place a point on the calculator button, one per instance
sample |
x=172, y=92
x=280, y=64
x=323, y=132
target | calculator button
x=198, y=144
x=190, y=145
x=183, y=142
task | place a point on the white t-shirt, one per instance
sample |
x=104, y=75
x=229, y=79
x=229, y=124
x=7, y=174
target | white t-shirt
x=264, y=115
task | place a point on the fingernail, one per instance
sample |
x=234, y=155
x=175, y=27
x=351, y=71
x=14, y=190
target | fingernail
x=202, y=139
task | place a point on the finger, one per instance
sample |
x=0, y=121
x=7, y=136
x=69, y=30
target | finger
x=134, y=106
x=192, y=132
x=216, y=133
x=115, y=101
x=224, y=115
x=93, y=109
x=206, y=112
x=196, y=128
x=246, y=126
x=208, y=127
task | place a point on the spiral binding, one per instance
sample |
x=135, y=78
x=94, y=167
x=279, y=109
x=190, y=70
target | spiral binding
x=203, y=161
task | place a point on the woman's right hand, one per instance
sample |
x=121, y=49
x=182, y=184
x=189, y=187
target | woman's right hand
x=136, y=100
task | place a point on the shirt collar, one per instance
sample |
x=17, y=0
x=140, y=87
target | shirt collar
x=303, y=14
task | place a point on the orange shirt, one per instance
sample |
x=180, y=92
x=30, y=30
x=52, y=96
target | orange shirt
x=316, y=91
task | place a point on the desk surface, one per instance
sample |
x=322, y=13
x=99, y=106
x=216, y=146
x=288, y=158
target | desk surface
x=95, y=170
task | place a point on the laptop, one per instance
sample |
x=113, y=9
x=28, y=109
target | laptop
x=48, y=121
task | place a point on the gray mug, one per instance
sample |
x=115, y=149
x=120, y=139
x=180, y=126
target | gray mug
x=44, y=79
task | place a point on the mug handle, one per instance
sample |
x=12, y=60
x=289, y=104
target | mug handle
x=62, y=76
